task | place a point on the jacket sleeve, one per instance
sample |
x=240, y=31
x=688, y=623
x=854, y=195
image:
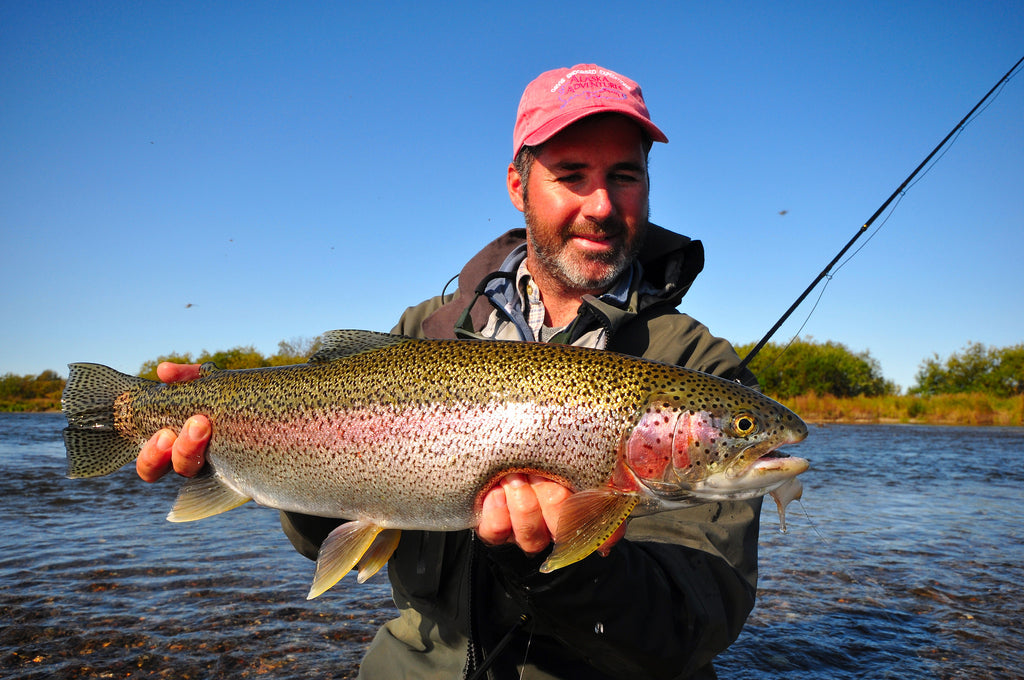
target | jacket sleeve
x=411, y=323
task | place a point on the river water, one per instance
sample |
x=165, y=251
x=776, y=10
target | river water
x=905, y=559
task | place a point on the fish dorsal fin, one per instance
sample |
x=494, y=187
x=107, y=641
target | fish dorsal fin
x=346, y=343
x=207, y=368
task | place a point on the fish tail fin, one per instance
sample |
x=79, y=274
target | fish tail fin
x=587, y=520
x=94, y=445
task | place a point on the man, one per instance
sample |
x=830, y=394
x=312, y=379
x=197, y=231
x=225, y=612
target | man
x=668, y=592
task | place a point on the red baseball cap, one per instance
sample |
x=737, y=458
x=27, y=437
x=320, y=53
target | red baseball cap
x=557, y=99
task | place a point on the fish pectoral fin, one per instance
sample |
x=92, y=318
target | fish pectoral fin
x=204, y=495
x=378, y=554
x=340, y=552
x=587, y=519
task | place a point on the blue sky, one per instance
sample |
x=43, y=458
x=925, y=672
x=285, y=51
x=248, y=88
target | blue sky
x=185, y=176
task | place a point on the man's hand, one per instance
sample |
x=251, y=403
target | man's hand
x=185, y=452
x=523, y=509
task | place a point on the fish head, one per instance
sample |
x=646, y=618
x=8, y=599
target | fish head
x=691, y=446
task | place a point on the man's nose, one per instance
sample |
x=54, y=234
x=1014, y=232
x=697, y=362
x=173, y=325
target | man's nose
x=598, y=204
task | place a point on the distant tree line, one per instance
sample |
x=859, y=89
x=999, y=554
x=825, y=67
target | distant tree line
x=785, y=371
x=295, y=351
x=30, y=392
x=804, y=367
x=988, y=370
x=42, y=392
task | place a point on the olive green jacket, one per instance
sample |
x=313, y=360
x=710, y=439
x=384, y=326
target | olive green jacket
x=668, y=598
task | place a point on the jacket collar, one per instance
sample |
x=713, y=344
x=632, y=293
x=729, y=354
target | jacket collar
x=670, y=263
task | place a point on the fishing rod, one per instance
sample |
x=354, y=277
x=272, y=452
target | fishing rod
x=867, y=225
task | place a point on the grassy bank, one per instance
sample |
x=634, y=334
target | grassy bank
x=29, y=405
x=941, y=409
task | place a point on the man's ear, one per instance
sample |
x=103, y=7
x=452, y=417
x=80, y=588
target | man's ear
x=515, y=188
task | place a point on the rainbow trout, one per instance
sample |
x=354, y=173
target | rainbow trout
x=396, y=433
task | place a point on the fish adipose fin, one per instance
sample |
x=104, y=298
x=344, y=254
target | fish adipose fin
x=204, y=495
x=345, y=547
x=346, y=343
x=587, y=520
x=94, y=446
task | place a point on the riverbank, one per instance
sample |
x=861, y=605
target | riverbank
x=940, y=409
x=30, y=406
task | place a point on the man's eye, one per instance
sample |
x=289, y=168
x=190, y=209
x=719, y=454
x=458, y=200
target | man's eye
x=570, y=179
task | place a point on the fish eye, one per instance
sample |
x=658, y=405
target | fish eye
x=744, y=424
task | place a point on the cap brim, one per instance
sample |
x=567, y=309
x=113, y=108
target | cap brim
x=558, y=123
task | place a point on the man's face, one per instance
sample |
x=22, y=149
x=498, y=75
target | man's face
x=585, y=204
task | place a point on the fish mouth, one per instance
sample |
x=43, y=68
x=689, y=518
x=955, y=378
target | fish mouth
x=759, y=478
x=776, y=464
x=763, y=476
x=766, y=473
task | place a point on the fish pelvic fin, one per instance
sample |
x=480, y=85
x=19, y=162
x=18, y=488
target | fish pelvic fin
x=341, y=551
x=202, y=496
x=347, y=343
x=94, y=445
x=586, y=521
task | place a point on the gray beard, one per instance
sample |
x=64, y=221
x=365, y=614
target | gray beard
x=569, y=272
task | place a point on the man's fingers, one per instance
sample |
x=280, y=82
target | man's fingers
x=550, y=495
x=526, y=514
x=169, y=372
x=188, y=454
x=154, y=459
x=184, y=452
x=495, y=527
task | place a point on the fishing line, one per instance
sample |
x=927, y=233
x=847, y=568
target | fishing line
x=526, y=656
x=903, y=194
x=874, y=233
x=885, y=220
x=811, y=521
x=898, y=193
x=831, y=275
